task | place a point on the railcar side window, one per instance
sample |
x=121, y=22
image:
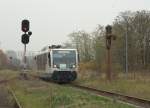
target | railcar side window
x=49, y=58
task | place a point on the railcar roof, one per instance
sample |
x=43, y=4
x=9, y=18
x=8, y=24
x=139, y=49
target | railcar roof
x=63, y=49
x=42, y=52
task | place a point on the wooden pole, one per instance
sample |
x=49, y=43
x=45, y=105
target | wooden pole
x=109, y=37
x=109, y=65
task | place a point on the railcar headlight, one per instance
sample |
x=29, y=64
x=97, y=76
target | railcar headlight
x=55, y=66
x=73, y=66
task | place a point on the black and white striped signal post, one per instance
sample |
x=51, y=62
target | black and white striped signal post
x=109, y=37
x=25, y=26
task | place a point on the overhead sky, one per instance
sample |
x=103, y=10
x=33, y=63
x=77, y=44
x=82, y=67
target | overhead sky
x=52, y=20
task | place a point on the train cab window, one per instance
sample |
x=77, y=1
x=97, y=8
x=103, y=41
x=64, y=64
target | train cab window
x=49, y=59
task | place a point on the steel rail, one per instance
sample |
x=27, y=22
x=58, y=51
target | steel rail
x=7, y=80
x=17, y=103
x=125, y=98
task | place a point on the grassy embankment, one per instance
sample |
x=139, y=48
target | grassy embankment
x=134, y=84
x=7, y=74
x=38, y=94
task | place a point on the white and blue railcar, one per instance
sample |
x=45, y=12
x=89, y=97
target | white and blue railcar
x=58, y=64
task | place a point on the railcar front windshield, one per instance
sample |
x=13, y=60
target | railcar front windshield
x=65, y=58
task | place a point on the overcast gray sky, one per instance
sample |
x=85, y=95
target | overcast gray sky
x=52, y=20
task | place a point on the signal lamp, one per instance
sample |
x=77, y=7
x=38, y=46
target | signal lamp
x=108, y=29
x=25, y=26
x=25, y=39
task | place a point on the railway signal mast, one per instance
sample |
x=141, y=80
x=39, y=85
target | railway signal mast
x=25, y=26
x=109, y=37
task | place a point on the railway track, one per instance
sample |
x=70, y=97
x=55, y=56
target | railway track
x=4, y=81
x=8, y=98
x=16, y=102
x=142, y=103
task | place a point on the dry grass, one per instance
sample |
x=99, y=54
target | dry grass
x=134, y=84
x=38, y=94
x=7, y=74
x=56, y=96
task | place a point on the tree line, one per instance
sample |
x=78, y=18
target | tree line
x=135, y=26
x=9, y=60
